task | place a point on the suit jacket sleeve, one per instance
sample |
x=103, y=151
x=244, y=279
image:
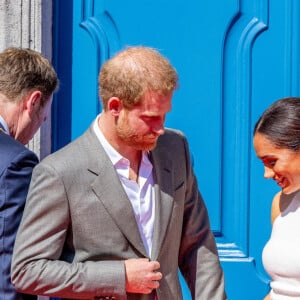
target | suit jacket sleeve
x=198, y=259
x=37, y=265
x=15, y=174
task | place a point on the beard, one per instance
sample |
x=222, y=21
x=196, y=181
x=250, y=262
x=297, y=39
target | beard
x=137, y=141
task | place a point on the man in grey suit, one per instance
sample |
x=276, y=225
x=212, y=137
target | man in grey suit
x=115, y=213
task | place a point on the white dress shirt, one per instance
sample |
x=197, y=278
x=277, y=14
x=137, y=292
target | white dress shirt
x=140, y=194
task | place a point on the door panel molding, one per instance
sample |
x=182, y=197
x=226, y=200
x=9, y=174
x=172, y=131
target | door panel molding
x=234, y=58
x=250, y=21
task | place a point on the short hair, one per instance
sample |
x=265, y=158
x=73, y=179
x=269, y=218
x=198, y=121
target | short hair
x=24, y=70
x=132, y=72
x=280, y=123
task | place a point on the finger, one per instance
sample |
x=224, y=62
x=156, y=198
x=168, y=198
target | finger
x=156, y=275
x=155, y=265
x=154, y=285
x=148, y=291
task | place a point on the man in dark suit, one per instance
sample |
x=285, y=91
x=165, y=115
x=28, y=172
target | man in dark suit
x=114, y=214
x=27, y=81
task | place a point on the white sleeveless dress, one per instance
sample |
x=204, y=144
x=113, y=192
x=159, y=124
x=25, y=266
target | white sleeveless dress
x=281, y=254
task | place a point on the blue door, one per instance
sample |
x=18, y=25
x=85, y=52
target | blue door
x=234, y=58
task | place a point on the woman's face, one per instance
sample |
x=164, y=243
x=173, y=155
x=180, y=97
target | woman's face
x=280, y=164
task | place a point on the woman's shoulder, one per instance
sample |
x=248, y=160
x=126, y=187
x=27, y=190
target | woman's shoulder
x=275, y=211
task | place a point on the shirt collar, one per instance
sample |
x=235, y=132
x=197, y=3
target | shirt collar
x=3, y=124
x=113, y=154
x=120, y=162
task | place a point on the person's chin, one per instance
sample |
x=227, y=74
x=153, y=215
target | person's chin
x=23, y=140
x=289, y=189
x=149, y=146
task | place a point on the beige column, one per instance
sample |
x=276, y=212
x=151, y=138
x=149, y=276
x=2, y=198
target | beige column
x=28, y=23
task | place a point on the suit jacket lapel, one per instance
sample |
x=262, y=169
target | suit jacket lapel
x=163, y=177
x=108, y=188
x=110, y=192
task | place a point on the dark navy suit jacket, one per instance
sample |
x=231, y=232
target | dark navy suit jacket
x=16, y=165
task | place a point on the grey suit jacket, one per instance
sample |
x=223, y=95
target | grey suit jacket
x=78, y=227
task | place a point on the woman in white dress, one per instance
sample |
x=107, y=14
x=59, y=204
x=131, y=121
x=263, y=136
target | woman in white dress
x=277, y=144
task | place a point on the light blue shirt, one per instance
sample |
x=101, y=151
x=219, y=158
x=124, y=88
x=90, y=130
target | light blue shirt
x=4, y=124
x=140, y=194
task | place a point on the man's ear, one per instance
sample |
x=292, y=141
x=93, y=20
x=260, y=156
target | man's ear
x=32, y=101
x=114, y=106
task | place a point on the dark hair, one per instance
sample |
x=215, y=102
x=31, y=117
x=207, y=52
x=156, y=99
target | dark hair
x=280, y=123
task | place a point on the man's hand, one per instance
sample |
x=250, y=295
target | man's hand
x=142, y=275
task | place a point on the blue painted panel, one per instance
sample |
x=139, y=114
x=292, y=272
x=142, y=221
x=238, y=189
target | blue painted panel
x=62, y=101
x=234, y=58
x=102, y=28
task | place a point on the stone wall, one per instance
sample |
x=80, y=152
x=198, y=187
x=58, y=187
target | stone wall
x=28, y=23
